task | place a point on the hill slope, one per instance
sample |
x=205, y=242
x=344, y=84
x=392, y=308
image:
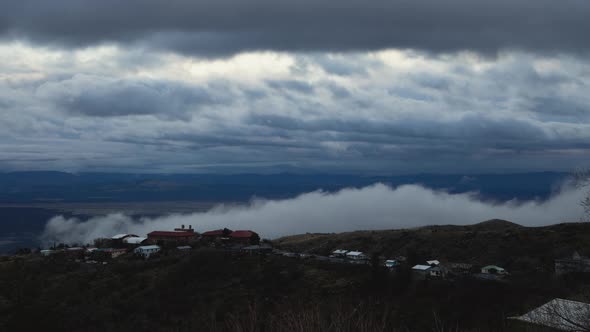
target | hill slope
x=500, y=242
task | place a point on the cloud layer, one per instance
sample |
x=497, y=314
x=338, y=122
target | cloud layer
x=214, y=27
x=385, y=86
x=370, y=208
x=110, y=108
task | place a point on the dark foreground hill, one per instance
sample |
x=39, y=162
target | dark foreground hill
x=215, y=290
x=208, y=289
x=499, y=242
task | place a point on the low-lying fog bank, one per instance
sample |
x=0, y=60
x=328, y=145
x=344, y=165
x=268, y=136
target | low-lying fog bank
x=373, y=207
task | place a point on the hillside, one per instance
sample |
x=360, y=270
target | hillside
x=213, y=290
x=500, y=242
x=217, y=289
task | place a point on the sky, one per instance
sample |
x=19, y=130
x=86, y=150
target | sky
x=368, y=87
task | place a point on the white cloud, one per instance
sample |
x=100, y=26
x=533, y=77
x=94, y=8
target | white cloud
x=370, y=208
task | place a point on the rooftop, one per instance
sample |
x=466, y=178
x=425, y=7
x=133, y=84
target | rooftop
x=149, y=247
x=121, y=236
x=559, y=314
x=134, y=240
x=171, y=234
x=217, y=232
x=421, y=267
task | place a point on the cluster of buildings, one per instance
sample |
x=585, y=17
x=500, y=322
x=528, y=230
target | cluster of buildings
x=431, y=269
x=351, y=255
x=434, y=269
x=180, y=239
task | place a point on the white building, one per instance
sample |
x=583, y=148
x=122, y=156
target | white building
x=391, y=263
x=339, y=253
x=420, y=271
x=433, y=262
x=356, y=255
x=421, y=267
x=146, y=251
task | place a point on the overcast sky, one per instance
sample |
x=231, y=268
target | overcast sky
x=382, y=86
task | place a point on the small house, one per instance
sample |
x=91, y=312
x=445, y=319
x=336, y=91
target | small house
x=339, y=253
x=147, y=251
x=391, y=263
x=433, y=262
x=356, y=256
x=420, y=271
x=437, y=272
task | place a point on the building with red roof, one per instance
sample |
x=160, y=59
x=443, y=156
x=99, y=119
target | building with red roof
x=246, y=237
x=179, y=236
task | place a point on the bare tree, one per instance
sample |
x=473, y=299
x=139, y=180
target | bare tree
x=581, y=178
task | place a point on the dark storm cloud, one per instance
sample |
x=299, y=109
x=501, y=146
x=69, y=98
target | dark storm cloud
x=471, y=130
x=211, y=27
x=109, y=97
x=291, y=85
x=555, y=108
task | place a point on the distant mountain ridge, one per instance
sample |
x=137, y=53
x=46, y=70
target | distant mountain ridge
x=496, y=225
x=26, y=187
